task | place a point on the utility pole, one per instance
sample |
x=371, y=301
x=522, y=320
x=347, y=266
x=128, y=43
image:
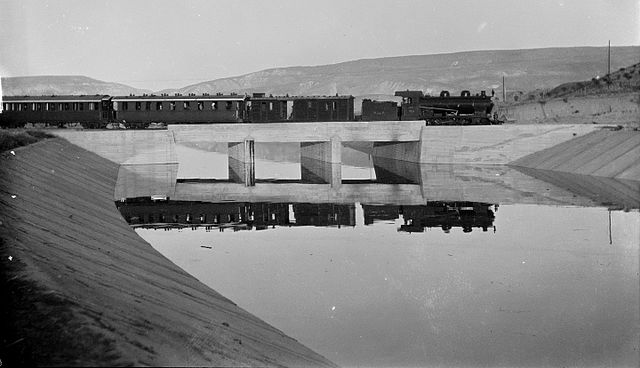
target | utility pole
x=609, y=59
x=504, y=95
x=610, y=239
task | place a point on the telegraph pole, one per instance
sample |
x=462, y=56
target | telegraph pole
x=504, y=95
x=609, y=59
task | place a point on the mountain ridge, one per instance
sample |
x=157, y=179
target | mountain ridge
x=524, y=70
x=43, y=85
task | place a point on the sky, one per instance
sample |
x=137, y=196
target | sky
x=164, y=44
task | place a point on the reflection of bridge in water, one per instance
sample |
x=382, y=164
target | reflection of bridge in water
x=237, y=216
x=397, y=182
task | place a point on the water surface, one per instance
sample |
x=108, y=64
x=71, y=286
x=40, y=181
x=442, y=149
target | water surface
x=438, y=282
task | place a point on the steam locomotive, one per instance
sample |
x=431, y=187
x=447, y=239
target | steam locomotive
x=155, y=111
x=434, y=110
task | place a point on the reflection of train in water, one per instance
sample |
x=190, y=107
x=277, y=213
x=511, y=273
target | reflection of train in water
x=150, y=111
x=235, y=215
x=247, y=216
x=447, y=215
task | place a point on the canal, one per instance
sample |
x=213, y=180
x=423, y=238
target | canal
x=403, y=265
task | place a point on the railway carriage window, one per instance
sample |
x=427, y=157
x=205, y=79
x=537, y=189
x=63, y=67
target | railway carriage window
x=81, y=104
x=147, y=106
x=39, y=106
x=229, y=105
x=125, y=106
x=263, y=106
x=138, y=106
x=158, y=105
x=326, y=106
x=25, y=107
x=52, y=106
x=75, y=106
x=172, y=105
x=91, y=106
x=270, y=106
x=334, y=105
x=200, y=105
x=214, y=105
x=66, y=106
x=186, y=105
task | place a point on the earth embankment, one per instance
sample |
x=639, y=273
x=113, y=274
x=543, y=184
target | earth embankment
x=83, y=289
x=622, y=108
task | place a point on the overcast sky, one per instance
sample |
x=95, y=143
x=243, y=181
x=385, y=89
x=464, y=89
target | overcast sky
x=160, y=44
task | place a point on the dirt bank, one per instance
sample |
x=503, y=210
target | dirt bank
x=81, y=288
x=623, y=108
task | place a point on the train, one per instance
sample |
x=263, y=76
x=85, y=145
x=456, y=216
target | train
x=150, y=111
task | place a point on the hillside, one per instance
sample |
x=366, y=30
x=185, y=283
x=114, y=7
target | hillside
x=477, y=70
x=524, y=70
x=623, y=80
x=63, y=85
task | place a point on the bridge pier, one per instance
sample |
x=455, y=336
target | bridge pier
x=401, y=151
x=396, y=171
x=242, y=165
x=320, y=162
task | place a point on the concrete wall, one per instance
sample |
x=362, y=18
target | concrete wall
x=491, y=144
x=125, y=146
x=614, y=154
x=300, y=132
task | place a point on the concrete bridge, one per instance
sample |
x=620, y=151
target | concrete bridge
x=409, y=141
x=398, y=140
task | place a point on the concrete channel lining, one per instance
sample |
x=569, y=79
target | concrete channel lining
x=87, y=290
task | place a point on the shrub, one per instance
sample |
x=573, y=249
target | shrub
x=11, y=139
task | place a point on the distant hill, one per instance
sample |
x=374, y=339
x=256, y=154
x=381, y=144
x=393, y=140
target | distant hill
x=524, y=70
x=63, y=85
